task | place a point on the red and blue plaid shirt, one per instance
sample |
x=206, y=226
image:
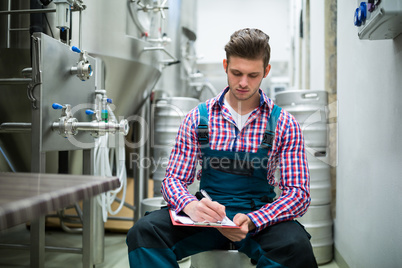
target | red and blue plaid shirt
x=288, y=152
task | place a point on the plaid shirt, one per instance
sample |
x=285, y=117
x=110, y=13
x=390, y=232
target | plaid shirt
x=288, y=152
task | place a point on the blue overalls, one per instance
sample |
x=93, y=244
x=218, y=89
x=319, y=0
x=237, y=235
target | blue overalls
x=237, y=180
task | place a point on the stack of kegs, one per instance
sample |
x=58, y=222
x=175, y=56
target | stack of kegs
x=310, y=110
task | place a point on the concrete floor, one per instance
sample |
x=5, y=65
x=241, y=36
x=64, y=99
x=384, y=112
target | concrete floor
x=115, y=250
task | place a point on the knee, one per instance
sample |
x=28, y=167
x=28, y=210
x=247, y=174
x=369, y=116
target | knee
x=299, y=246
x=298, y=241
x=135, y=236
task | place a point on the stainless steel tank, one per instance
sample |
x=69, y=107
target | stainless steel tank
x=111, y=31
x=181, y=28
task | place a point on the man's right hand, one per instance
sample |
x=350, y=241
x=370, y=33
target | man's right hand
x=205, y=210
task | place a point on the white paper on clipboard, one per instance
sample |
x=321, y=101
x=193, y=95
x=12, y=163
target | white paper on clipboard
x=186, y=220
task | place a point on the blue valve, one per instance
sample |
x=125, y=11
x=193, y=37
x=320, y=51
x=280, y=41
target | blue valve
x=76, y=49
x=89, y=112
x=361, y=14
x=57, y=106
x=109, y=100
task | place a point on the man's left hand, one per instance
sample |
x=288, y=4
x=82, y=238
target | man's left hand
x=238, y=234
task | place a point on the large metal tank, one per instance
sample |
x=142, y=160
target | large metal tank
x=181, y=28
x=111, y=31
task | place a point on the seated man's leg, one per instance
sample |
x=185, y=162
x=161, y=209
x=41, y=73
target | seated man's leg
x=155, y=242
x=285, y=244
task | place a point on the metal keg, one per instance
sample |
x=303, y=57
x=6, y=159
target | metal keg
x=309, y=109
x=320, y=177
x=151, y=204
x=318, y=222
x=168, y=115
x=220, y=259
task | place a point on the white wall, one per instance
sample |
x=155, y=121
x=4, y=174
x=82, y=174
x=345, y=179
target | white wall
x=317, y=45
x=369, y=171
x=217, y=20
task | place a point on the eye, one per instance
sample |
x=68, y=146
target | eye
x=237, y=74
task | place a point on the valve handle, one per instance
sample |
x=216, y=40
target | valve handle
x=89, y=112
x=109, y=100
x=57, y=106
x=76, y=49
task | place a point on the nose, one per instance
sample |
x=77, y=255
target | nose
x=243, y=81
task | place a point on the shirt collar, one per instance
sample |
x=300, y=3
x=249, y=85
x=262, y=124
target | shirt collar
x=264, y=100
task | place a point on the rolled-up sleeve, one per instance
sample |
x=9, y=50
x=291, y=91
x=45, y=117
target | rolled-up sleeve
x=295, y=177
x=181, y=168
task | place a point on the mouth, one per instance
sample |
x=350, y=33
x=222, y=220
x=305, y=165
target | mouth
x=242, y=90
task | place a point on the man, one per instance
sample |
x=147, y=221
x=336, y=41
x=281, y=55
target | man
x=239, y=137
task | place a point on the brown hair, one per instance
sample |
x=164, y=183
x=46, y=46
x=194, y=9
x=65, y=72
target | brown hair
x=250, y=44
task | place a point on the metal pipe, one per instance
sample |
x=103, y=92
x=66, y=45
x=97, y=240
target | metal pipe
x=15, y=127
x=96, y=126
x=30, y=11
x=140, y=181
x=63, y=249
x=211, y=88
x=47, y=248
x=173, y=60
x=115, y=218
x=15, y=81
x=18, y=29
x=7, y=160
x=125, y=203
x=26, y=11
x=80, y=30
x=8, y=24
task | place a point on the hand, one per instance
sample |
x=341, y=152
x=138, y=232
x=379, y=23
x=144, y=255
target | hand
x=246, y=225
x=205, y=210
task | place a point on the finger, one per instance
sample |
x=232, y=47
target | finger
x=220, y=210
x=239, y=219
x=213, y=210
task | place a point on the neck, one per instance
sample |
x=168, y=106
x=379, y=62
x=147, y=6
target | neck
x=243, y=107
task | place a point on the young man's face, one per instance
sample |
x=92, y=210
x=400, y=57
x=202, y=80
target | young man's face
x=244, y=77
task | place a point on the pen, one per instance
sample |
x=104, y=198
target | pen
x=205, y=194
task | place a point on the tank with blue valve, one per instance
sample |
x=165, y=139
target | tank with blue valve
x=68, y=126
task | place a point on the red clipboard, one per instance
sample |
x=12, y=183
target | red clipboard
x=191, y=223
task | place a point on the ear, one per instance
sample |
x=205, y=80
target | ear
x=225, y=65
x=267, y=70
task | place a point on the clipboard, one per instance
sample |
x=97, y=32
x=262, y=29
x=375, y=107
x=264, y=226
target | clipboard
x=180, y=220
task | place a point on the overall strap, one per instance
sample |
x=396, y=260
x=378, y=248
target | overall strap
x=269, y=133
x=202, y=129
